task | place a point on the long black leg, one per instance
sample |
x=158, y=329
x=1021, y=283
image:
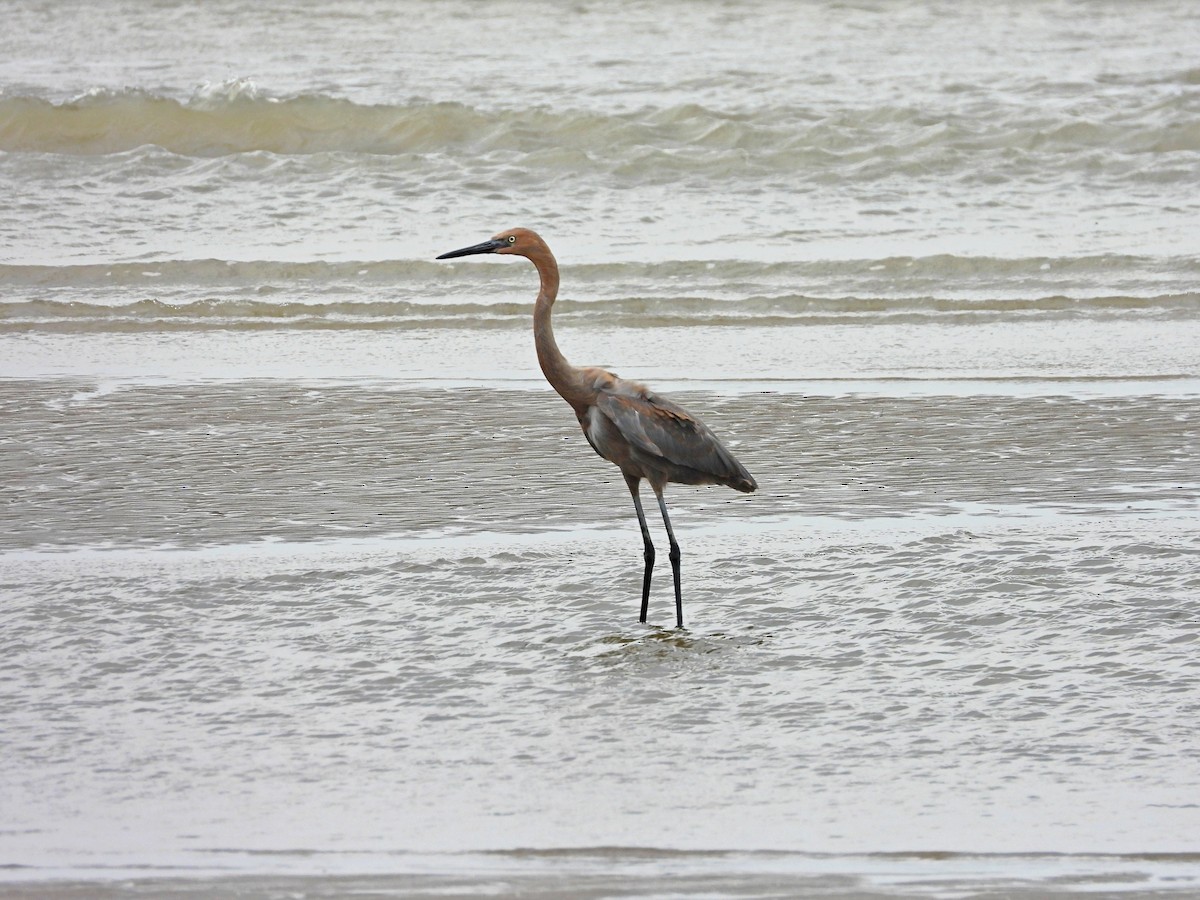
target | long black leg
x=674, y=557
x=649, y=554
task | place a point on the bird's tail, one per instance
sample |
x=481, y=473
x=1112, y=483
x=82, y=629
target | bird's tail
x=743, y=481
x=735, y=474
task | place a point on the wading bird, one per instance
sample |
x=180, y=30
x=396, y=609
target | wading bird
x=643, y=434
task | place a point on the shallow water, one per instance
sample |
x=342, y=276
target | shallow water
x=310, y=585
x=296, y=621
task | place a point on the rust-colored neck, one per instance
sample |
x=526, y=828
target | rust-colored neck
x=563, y=377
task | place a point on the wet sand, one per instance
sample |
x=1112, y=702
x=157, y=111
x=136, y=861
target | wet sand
x=595, y=873
x=194, y=465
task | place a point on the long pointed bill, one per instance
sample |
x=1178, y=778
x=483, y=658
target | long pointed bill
x=485, y=247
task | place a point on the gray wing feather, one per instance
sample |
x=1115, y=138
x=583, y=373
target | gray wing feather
x=658, y=427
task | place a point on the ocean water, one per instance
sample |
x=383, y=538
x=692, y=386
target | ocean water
x=310, y=586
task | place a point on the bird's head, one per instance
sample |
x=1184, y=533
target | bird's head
x=520, y=241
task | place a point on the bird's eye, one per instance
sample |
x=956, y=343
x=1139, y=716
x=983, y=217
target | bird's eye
x=512, y=238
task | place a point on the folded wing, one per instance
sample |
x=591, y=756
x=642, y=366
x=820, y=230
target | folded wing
x=657, y=428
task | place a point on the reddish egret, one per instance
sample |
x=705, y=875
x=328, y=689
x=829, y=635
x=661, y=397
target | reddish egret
x=644, y=434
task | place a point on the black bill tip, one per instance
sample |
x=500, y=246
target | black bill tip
x=485, y=247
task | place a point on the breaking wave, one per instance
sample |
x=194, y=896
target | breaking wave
x=951, y=269
x=238, y=118
x=52, y=316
